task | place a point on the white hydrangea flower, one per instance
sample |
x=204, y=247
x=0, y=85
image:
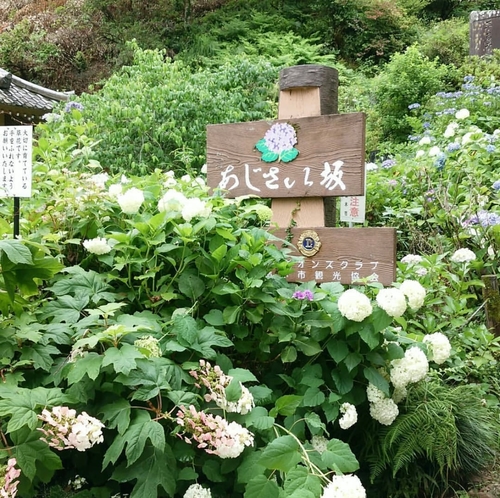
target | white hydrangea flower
x=399, y=394
x=438, y=346
x=354, y=305
x=463, y=255
x=374, y=394
x=349, y=417
x=462, y=114
x=99, y=180
x=319, y=443
x=371, y=166
x=451, y=130
x=410, y=369
x=115, y=190
x=172, y=201
x=204, y=169
x=425, y=141
x=195, y=208
x=244, y=405
x=415, y=292
x=346, y=486
x=150, y=344
x=131, y=201
x=98, y=245
x=384, y=411
x=412, y=259
x=434, y=151
x=420, y=153
x=239, y=437
x=421, y=272
x=392, y=301
x=197, y=491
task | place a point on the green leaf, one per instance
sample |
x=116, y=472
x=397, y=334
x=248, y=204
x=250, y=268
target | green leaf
x=373, y=376
x=150, y=471
x=260, y=487
x=85, y=283
x=89, y=365
x=214, y=317
x=270, y=157
x=191, y=286
x=339, y=457
x=343, y=379
x=300, y=479
x=369, y=336
x=289, y=354
x=261, y=146
x=123, y=359
x=380, y=319
x=352, y=360
x=150, y=377
x=31, y=454
x=250, y=467
x=281, y=454
x=39, y=354
x=314, y=422
x=16, y=252
x=286, y=405
x=313, y=397
x=259, y=418
x=117, y=415
x=186, y=329
x=289, y=155
x=307, y=345
x=233, y=391
x=242, y=375
x=65, y=309
x=338, y=350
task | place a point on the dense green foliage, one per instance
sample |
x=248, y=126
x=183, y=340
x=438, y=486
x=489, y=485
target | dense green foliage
x=130, y=275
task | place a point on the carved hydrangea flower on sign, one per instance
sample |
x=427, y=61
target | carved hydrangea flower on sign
x=278, y=143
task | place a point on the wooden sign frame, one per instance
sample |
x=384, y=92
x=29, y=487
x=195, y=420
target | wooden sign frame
x=330, y=160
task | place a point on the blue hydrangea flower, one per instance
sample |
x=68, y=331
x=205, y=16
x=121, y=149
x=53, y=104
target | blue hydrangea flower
x=490, y=148
x=496, y=185
x=453, y=147
x=388, y=163
x=73, y=105
x=416, y=105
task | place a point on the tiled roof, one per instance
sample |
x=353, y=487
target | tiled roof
x=17, y=92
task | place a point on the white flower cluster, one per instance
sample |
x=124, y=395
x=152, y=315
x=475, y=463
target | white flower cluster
x=197, y=491
x=349, y=417
x=438, y=347
x=319, y=443
x=150, y=345
x=463, y=255
x=63, y=429
x=411, y=259
x=98, y=245
x=382, y=409
x=392, y=301
x=177, y=204
x=415, y=292
x=131, y=201
x=346, y=486
x=216, y=381
x=412, y=368
x=354, y=305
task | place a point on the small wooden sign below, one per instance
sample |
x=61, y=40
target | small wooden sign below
x=319, y=156
x=345, y=255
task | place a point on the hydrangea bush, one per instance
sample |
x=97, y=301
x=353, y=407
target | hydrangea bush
x=163, y=334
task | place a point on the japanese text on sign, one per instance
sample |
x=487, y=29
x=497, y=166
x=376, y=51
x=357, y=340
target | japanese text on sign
x=337, y=271
x=15, y=161
x=330, y=177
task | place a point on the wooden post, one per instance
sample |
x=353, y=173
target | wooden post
x=491, y=295
x=306, y=90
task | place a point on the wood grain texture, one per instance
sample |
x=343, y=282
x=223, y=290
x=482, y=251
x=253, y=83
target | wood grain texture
x=346, y=255
x=231, y=154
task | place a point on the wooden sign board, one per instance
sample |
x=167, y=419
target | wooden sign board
x=484, y=32
x=327, y=159
x=345, y=255
x=15, y=161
